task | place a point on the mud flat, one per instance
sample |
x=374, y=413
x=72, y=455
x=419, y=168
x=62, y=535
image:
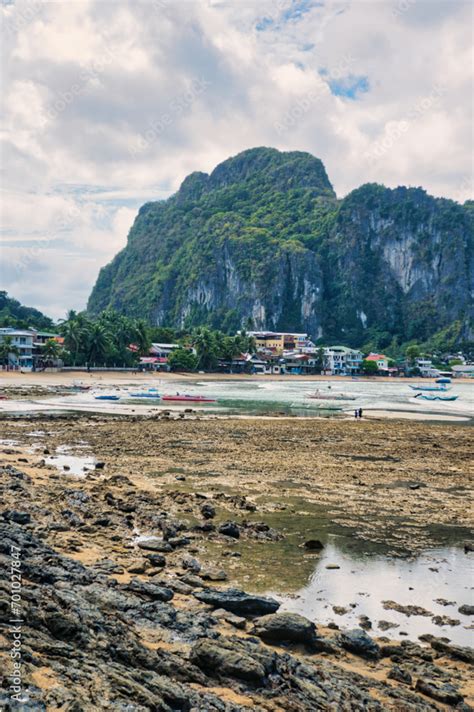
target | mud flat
x=165, y=563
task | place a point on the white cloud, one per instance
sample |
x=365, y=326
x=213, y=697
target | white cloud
x=85, y=82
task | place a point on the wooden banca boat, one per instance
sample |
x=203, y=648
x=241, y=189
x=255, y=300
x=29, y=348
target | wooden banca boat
x=107, y=398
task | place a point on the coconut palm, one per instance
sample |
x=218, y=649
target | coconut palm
x=8, y=349
x=99, y=343
x=204, y=342
x=50, y=351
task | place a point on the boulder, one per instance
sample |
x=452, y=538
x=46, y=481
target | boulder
x=154, y=544
x=285, y=628
x=150, y=590
x=400, y=675
x=17, y=517
x=230, y=529
x=313, y=545
x=208, y=511
x=238, y=602
x=357, y=641
x=217, y=658
x=156, y=560
x=466, y=609
x=212, y=573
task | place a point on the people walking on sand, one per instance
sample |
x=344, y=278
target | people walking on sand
x=360, y=412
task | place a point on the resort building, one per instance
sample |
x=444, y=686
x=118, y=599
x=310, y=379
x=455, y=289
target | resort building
x=22, y=345
x=342, y=361
x=277, y=342
x=426, y=368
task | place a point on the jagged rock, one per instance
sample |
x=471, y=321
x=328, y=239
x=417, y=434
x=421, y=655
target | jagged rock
x=408, y=610
x=139, y=567
x=238, y=602
x=466, y=609
x=447, y=694
x=458, y=652
x=399, y=674
x=17, y=517
x=149, y=590
x=357, y=641
x=223, y=659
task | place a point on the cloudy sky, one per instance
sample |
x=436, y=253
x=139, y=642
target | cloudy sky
x=109, y=104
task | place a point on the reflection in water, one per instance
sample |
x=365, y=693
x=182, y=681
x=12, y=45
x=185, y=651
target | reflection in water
x=361, y=584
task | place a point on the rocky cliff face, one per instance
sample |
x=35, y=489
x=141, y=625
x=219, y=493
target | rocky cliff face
x=264, y=238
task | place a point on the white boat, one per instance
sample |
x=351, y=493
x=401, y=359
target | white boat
x=320, y=395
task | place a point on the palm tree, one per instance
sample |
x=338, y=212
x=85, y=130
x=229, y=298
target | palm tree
x=7, y=348
x=73, y=334
x=50, y=351
x=99, y=343
x=204, y=342
x=142, y=337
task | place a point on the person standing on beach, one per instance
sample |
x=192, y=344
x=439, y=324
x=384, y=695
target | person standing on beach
x=360, y=412
x=356, y=413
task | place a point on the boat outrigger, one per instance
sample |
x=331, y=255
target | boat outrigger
x=436, y=398
x=187, y=398
x=429, y=388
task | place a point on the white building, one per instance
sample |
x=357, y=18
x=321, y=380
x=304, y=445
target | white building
x=342, y=361
x=22, y=340
x=426, y=367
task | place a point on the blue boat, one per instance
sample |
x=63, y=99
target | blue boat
x=443, y=379
x=107, y=398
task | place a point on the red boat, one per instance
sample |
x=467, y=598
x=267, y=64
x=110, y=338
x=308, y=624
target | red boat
x=185, y=398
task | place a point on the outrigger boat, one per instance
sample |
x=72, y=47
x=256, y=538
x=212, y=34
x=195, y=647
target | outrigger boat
x=107, y=398
x=318, y=395
x=78, y=386
x=436, y=398
x=186, y=398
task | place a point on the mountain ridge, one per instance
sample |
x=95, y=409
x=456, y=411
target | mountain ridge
x=263, y=239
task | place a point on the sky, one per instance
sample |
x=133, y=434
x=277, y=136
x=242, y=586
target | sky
x=107, y=105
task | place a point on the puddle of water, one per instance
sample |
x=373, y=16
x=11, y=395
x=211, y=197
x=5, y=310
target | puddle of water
x=366, y=581
x=77, y=465
x=9, y=443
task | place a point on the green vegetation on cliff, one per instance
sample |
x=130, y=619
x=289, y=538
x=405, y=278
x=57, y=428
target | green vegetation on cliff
x=264, y=241
x=15, y=315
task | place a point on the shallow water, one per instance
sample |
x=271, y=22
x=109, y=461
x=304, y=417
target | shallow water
x=77, y=465
x=363, y=582
x=262, y=397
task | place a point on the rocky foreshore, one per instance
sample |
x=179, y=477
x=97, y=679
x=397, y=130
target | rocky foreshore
x=125, y=607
